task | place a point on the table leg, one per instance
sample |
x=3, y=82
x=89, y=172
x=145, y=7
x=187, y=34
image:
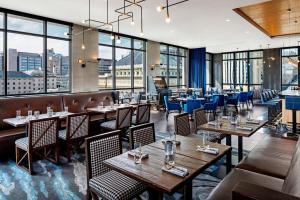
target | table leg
x=228, y=155
x=188, y=190
x=294, y=122
x=154, y=194
x=240, y=148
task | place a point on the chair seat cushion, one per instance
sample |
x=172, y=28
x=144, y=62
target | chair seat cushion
x=115, y=186
x=271, y=157
x=224, y=190
x=111, y=125
x=22, y=143
x=62, y=134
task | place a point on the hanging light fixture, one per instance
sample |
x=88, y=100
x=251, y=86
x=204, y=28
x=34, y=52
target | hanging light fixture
x=167, y=6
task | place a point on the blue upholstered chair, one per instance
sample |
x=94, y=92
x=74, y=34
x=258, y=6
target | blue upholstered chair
x=250, y=97
x=243, y=99
x=293, y=103
x=212, y=105
x=170, y=106
x=191, y=105
x=233, y=100
x=221, y=101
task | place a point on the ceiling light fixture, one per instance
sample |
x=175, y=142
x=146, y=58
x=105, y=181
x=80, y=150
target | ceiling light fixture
x=228, y=20
x=167, y=7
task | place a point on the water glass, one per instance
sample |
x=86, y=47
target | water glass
x=138, y=153
x=66, y=109
x=170, y=154
x=18, y=114
x=29, y=114
x=36, y=114
x=204, y=139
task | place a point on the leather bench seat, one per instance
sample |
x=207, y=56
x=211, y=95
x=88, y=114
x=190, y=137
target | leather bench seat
x=224, y=190
x=271, y=157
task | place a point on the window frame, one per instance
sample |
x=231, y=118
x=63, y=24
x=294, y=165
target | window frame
x=132, y=49
x=281, y=64
x=5, y=31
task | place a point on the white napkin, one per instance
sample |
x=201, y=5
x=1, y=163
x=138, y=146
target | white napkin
x=244, y=128
x=212, y=123
x=177, y=171
x=132, y=153
x=209, y=150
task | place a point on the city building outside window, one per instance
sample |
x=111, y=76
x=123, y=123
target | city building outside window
x=289, y=67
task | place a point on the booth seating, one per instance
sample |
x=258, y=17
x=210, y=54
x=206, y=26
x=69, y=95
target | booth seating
x=271, y=99
x=76, y=103
x=270, y=171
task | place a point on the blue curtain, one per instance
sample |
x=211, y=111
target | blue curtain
x=197, y=70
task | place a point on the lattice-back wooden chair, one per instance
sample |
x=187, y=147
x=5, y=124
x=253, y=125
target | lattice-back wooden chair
x=144, y=134
x=200, y=119
x=182, y=124
x=78, y=127
x=42, y=134
x=101, y=181
x=142, y=114
x=122, y=121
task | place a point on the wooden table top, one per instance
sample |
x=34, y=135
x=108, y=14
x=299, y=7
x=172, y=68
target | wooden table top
x=150, y=171
x=24, y=119
x=227, y=128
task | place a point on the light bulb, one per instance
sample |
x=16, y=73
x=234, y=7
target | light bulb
x=83, y=47
x=159, y=8
x=132, y=23
x=168, y=20
x=112, y=37
x=141, y=34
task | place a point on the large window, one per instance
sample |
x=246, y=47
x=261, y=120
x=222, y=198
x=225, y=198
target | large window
x=172, y=65
x=289, y=68
x=122, y=63
x=37, y=61
x=243, y=70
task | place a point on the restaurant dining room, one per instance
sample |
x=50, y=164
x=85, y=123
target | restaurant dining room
x=150, y=100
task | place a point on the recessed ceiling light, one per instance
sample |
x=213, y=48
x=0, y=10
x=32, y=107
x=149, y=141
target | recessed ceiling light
x=227, y=20
x=171, y=31
x=247, y=32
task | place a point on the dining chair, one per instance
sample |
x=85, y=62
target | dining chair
x=101, y=181
x=144, y=134
x=250, y=97
x=142, y=114
x=200, y=119
x=233, y=100
x=42, y=135
x=191, y=105
x=182, y=124
x=171, y=106
x=211, y=107
x=123, y=120
x=243, y=99
x=78, y=126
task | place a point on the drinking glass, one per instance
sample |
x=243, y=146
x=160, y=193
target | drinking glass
x=204, y=139
x=36, y=114
x=66, y=109
x=138, y=153
x=170, y=147
x=29, y=114
x=18, y=114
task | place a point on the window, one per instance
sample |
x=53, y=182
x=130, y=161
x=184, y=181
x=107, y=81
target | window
x=208, y=70
x=29, y=64
x=1, y=21
x=289, y=67
x=228, y=65
x=256, y=69
x=172, y=65
x=241, y=70
x=122, y=63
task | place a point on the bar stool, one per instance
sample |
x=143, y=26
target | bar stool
x=293, y=103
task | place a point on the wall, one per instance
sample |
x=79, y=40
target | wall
x=84, y=79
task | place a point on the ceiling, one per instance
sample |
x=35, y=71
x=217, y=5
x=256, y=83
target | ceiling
x=196, y=23
x=274, y=18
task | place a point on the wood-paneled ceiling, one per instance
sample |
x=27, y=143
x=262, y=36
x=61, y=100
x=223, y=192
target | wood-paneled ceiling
x=273, y=18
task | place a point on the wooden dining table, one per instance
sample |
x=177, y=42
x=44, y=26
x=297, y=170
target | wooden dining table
x=150, y=172
x=229, y=130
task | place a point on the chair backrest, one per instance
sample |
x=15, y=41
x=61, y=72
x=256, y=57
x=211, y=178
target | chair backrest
x=243, y=97
x=143, y=113
x=124, y=117
x=200, y=118
x=100, y=148
x=221, y=99
x=78, y=125
x=182, y=124
x=192, y=104
x=292, y=103
x=43, y=132
x=144, y=134
x=291, y=183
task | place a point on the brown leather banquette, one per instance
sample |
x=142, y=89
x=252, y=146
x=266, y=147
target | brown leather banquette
x=270, y=171
x=76, y=103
